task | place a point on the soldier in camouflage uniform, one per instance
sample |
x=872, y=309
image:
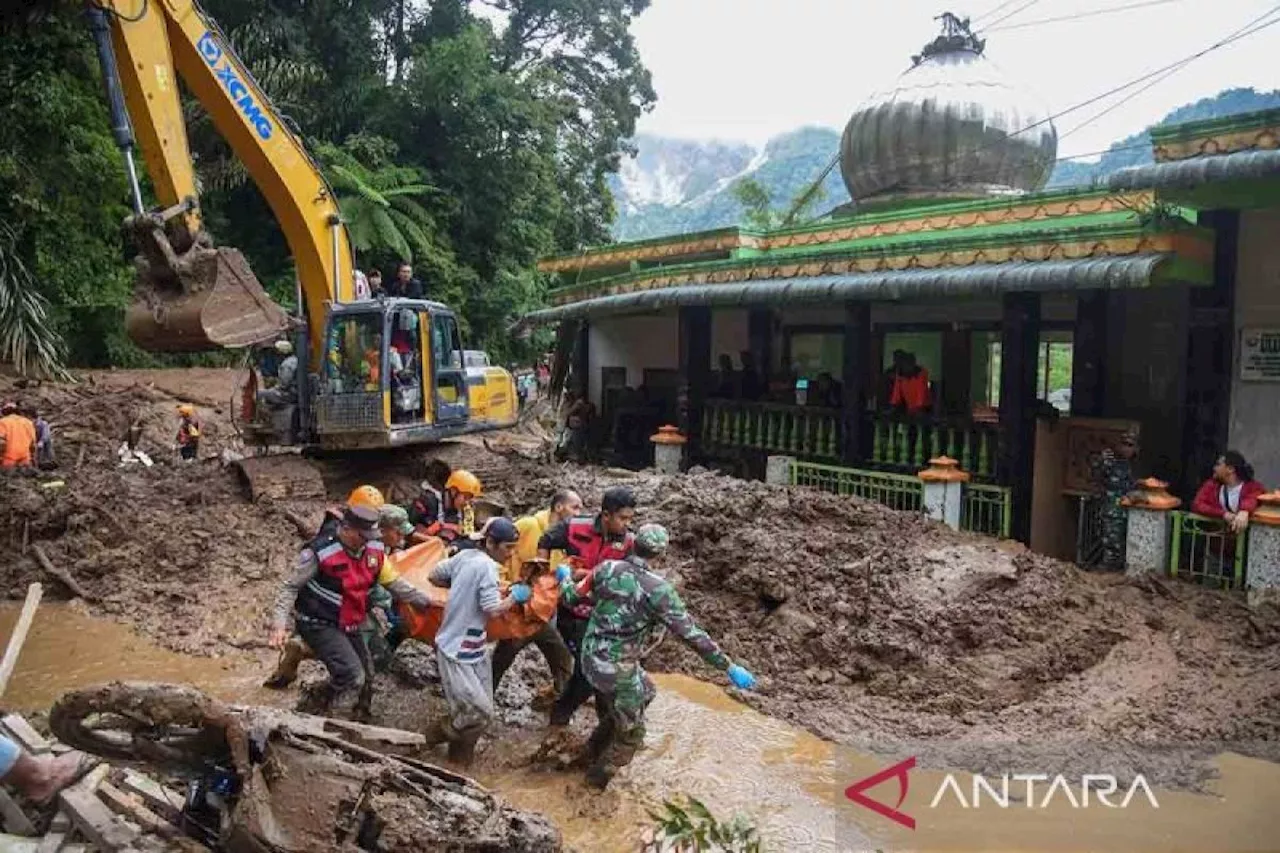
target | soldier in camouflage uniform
x=1114, y=474
x=631, y=603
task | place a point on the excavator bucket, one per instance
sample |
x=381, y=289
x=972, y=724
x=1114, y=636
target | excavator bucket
x=209, y=300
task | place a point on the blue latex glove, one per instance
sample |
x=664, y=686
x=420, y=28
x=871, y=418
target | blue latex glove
x=521, y=592
x=563, y=573
x=741, y=679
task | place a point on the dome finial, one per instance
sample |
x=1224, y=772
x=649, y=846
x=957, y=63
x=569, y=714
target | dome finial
x=955, y=36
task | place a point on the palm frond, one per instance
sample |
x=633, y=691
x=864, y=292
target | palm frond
x=26, y=336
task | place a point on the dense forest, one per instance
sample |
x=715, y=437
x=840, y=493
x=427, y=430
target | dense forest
x=467, y=137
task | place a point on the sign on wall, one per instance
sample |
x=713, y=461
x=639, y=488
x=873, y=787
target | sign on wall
x=1260, y=355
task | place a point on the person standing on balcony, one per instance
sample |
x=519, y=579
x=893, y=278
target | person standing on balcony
x=1113, y=471
x=1231, y=493
x=910, y=392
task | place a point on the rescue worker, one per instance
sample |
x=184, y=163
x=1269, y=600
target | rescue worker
x=631, y=602
x=462, y=656
x=564, y=506
x=587, y=542
x=328, y=592
x=44, y=438
x=17, y=438
x=380, y=627
x=188, y=433
x=283, y=390
x=1113, y=472
x=450, y=514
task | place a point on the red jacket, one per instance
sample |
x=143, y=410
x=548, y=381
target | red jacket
x=1212, y=494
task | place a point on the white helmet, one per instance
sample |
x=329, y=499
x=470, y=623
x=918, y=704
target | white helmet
x=284, y=347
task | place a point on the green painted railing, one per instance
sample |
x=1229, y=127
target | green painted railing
x=899, y=442
x=770, y=427
x=896, y=491
x=1205, y=551
x=987, y=510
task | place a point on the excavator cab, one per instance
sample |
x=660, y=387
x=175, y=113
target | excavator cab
x=391, y=372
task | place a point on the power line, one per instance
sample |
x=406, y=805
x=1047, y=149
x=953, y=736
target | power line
x=1016, y=11
x=1163, y=74
x=992, y=11
x=1236, y=36
x=1078, y=16
x=1115, y=150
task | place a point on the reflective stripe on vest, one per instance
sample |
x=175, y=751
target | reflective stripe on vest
x=339, y=593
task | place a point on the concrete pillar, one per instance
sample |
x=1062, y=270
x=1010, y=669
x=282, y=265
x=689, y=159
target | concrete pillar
x=777, y=470
x=1019, y=356
x=668, y=449
x=1262, y=571
x=854, y=441
x=943, y=484
x=1147, y=545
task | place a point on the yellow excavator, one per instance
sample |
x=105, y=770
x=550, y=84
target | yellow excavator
x=370, y=373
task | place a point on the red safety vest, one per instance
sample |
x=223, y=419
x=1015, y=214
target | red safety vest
x=339, y=593
x=590, y=545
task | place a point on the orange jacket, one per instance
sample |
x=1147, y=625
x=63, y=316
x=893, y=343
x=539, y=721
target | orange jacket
x=911, y=391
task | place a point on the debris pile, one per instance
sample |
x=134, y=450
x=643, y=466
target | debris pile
x=877, y=628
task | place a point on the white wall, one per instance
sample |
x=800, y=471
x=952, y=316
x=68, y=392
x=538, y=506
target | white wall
x=1255, y=406
x=631, y=342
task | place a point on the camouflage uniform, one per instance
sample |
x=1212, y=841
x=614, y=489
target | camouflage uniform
x=631, y=603
x=1115, y=476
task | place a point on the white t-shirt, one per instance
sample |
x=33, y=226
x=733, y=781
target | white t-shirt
x=1230, y=497
x=362, y=287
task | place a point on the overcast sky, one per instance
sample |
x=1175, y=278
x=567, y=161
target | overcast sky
x=750, y=69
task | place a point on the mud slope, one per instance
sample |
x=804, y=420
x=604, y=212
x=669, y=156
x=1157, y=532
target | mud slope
x=882, y=629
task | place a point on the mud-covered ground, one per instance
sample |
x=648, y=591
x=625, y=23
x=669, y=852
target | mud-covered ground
x=871, y=628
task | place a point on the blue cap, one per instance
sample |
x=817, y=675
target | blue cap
x=502, y=530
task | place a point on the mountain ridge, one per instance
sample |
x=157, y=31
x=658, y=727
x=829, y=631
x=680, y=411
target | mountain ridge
x=678, y=185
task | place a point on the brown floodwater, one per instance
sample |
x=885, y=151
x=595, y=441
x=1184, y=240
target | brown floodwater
x=703, y=743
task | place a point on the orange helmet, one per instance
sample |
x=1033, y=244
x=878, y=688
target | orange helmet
x=186, y=410
x=365, y=496
x=464, y=482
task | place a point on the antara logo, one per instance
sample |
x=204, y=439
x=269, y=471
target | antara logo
x=239, y=92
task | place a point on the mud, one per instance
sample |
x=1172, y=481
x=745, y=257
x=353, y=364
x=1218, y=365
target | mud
x=873, y=629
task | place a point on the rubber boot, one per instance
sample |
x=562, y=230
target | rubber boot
x=462, y=749
x=440, y=731
x=601, y=739
x=291, y=657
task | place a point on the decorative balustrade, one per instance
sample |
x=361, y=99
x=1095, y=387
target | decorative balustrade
x=1203, y=550
x=909, y=443
x=803, y=431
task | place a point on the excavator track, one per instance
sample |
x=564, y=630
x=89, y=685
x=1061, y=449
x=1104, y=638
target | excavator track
x=286, y=476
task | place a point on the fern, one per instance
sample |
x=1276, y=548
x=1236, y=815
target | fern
x=692, y=828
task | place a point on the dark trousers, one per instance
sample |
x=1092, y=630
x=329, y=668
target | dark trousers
x=189, y=450
x=343, y=653
x=553, y=648
x=578, y=690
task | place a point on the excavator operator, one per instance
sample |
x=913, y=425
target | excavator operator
x=449, y=515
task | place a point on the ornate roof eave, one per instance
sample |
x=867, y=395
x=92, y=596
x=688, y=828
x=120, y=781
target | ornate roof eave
x=1106, y=273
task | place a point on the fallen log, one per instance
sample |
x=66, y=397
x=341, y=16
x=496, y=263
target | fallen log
x=19, y=636
x=61, y=575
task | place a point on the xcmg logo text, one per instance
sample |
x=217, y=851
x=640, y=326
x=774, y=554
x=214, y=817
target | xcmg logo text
x=1010, y=790
x=239, y=92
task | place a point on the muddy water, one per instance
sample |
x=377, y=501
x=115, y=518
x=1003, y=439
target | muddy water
x=703, y=743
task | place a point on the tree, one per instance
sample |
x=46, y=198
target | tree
x=758, y=211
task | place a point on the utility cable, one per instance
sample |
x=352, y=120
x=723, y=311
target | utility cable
x=992, y=11
x=1009, y=15
x=1078, y=16
x=1249, y=29
x=109, y=7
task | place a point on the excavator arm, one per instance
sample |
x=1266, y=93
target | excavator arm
x=191, y=295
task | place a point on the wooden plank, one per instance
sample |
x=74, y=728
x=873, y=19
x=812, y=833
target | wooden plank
x=21, y=731
x=19, y=635
x=15, y=819
x=152, y=793
x=52, y=842
x=132, y=808
x=91, y=816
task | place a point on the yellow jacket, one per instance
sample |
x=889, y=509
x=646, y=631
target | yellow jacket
x=531, y=528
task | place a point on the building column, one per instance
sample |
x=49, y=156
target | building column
x=694, y=332
x=760, y=339
x=1147, y=543
x=1262, y=571
x=943, y=486
x=567, y=342
x=1019, y=347
x=1089, y=354
x=854, y=372
x=957, y=371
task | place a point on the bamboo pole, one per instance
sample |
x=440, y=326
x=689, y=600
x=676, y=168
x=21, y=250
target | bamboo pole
x=19, y=636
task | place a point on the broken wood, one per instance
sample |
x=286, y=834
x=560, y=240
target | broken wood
x=91, y=817
x=131, y=808
x=59, y=832
x=16, y=821
x=21, y=731
x=19, y=636
x=153, y=794
x=61, y=575
x=80, y=459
